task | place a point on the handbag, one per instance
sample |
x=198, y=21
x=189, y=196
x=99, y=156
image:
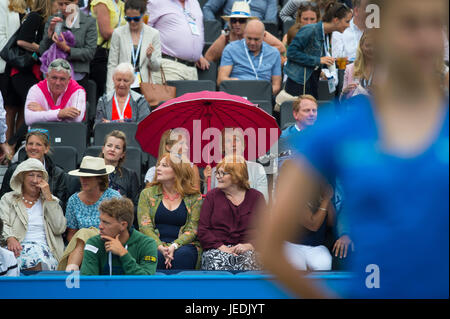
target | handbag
x=157, y=93
x=16, y=56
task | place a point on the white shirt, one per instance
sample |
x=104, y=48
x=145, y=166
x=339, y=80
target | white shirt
x=36, y=230
x=346, y=44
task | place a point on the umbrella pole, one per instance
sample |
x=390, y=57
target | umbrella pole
x=208, y=181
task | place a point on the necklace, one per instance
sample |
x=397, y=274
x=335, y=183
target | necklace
x=166, y=196
x=29, y=202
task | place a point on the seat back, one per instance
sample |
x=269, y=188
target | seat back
x=209, y=74
x=188, y=86
x=212, y=30
x=253, y=90
x=65, y=156
x=66, y=134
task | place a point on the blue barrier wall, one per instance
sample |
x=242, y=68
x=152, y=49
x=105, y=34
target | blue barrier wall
x=184, y=285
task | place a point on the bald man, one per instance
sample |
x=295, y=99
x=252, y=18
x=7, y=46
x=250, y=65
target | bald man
x=251, y=58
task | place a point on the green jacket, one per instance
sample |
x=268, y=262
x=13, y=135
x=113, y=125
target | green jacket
x=149, y=201
x=141, y=258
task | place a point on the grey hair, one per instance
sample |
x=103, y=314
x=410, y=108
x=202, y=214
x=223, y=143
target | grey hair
x=124, y=67
x=60, y=65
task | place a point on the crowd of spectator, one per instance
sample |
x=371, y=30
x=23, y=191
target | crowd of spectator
x=114, y=221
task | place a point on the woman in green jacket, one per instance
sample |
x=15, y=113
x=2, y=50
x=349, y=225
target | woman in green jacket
x=169, y=211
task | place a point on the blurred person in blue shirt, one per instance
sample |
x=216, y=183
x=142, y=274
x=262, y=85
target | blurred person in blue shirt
x=391, y=154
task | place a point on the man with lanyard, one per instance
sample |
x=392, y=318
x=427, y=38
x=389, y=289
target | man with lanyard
x=180, y=23
x=251, y=59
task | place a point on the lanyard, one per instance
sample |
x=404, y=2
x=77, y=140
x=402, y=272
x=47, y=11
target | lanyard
x=121, y=114
x=110, y=261
x=326, y=44
x=117, y=12
x=135, y=54
x=251, y=62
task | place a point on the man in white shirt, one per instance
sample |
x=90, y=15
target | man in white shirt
x=346, y=44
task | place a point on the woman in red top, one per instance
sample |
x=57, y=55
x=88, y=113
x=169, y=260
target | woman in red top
x=122, y=104
x=225, y=228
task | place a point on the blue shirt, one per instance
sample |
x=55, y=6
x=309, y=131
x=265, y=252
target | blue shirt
x=265, y=10
x=397, y=208
x=79, y=215
x=234, y=54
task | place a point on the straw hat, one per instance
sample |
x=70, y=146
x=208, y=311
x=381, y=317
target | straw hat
x=240, y=9
x=92, y=166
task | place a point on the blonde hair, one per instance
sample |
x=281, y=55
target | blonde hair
x=360, y=61
x=43, y=7
x=298, y=101
x=121, y=209
x=184, y=176
x=237, y=168
x=19, y=6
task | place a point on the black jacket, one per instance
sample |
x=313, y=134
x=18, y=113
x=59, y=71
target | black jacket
x=56, y=181
x=126, y=182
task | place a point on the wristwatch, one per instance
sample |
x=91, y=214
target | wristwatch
x=175, y=245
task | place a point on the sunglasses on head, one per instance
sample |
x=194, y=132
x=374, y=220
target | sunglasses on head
x=240, y=20
x=135, y=19
x=307, y=4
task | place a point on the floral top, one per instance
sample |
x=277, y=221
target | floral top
x=149, y=201
x=79, y=215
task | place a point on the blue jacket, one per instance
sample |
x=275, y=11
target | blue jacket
x=305, y=52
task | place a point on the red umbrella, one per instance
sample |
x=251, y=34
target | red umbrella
x=203, y=115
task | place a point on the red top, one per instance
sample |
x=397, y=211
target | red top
x=222, y=223
x=126, y=112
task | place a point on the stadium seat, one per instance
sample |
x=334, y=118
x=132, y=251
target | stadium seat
x=253, y=90
x=66, y=134
x=210, y=74
x=287, y=25
x=286, y=115
x=204, y=272
x=187, y=86
x=73, y=184
x=102, y=129
x=212, y=30
x=65, y=156
x=324, y=92
x=264, y=105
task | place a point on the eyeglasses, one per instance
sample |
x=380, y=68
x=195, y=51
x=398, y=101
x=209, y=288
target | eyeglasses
x=221, y=174
x=135, y=19
x=240, y=20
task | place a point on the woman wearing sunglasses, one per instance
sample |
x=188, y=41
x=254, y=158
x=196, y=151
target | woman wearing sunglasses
x=136, y=43
x=237, y=20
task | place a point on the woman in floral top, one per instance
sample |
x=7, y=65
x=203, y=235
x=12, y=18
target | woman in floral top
x=169, y=211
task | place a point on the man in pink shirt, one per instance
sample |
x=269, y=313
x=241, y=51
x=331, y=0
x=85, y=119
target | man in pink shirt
x=180, y=25
x=57, y=98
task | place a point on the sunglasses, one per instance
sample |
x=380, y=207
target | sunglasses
x=40, y=130
x=307, y=4
x=60, y=63
x=135, y=19
x=240, y=20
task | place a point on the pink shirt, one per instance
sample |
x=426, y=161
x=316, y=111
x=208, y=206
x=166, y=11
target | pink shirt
x=174, y=26
x=77, y=100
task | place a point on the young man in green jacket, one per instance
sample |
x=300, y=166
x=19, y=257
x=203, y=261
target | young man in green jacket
x=118, y=249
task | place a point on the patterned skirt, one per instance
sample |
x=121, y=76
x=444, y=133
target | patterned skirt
x=34, y=253
x=215, y=259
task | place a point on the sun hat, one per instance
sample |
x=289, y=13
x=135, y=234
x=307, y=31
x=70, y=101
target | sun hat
x=31, y=164
x=92, y=166
x=240, y=9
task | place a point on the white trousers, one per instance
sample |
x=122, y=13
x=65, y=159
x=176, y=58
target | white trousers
x=304, y=257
